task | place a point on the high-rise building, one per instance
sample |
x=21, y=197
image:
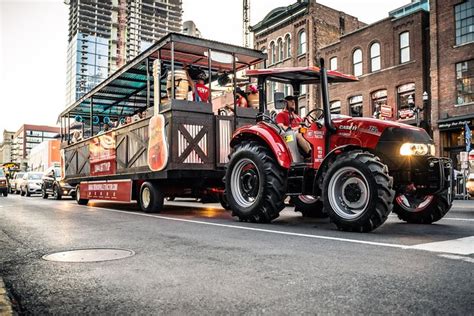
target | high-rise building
x=105, y=34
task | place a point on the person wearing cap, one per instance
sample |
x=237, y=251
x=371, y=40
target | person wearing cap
x=288, y=119
x=199, y=89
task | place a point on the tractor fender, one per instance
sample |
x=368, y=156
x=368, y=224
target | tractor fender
x=267, y=135
x=330, y=157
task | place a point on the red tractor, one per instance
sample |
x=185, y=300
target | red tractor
x=360, y=169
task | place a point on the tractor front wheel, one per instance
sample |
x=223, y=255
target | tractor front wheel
x=255, y=183
x=309, y=206
x=422, y=209
x=358, y=192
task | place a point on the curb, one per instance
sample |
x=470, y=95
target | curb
x=5, y=303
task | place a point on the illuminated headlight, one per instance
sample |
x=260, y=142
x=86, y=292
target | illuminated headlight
x=410, y=149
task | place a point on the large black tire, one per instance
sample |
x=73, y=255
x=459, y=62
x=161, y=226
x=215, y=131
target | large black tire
x=27, y=193
x=78, y=197
x=309, y=206
x=151, y=199
x=57, y=193
x=433, y=211
x=357, y=192
x=255, y=183
x=5, y=193
x=22, y=193
x=224, y=203
x=44, y=195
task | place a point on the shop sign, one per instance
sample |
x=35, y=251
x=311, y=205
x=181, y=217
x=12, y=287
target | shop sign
x=405, y=114
x=455, y=124
x=386, y=111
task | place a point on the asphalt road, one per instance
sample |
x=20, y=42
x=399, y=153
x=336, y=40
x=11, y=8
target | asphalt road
x=195, y=259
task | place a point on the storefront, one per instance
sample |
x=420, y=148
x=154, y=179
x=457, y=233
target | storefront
x=452, y=135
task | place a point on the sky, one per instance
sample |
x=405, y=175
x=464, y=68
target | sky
x=33, y=46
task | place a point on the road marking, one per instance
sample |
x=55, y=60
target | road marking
x=454, y=257
x=461, y=246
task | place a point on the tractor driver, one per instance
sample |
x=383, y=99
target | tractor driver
x=289, y=119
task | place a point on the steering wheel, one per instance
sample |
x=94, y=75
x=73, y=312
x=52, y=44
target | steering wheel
x=312, y=116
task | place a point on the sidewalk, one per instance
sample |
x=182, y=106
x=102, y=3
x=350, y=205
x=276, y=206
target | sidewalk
x=464, y=204
x=5, y=304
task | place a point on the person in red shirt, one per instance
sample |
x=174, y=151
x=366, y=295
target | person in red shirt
x=200, y=90
x=241, y=98
x=289, y=119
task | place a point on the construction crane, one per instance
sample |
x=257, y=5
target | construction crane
x=246, y=23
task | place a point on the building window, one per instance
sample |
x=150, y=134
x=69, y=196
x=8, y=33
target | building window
x=465, y=82
x=375, y=57
x=333, y=63
x=342, y=25
x=287, y=90
x=335, y=107
x=272, y=88
x=379, y=100
x=464, y=16
x=404, y=47
x=301, y=42
x=355, y=106
x=288, y=45
x=304, y=90
x=272, y=53
x=404, y=92
x=262, y=64
x=357, y=62
x=280, y=49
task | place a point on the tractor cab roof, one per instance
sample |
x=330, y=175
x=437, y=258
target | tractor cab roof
x=303, y=75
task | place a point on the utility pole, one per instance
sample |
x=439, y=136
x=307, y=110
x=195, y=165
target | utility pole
x=246, y=23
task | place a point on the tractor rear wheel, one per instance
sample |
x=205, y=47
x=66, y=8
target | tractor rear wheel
x=309, y=206
x=422, y=210
x=255, y=183
x=357, y=192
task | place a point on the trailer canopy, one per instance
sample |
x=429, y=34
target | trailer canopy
x=130, y=88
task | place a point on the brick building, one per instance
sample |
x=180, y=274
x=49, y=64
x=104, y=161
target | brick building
x=391, y=58
x=293, y=35
x=452, y=73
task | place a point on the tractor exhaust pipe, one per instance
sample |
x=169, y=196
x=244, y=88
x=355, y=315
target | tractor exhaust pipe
x=325, y=98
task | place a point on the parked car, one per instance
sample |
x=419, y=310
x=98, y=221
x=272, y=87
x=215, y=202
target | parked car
x=470, y=184
x=15, y=182
x=31, y=183
x=3, y=183
x=53, y=185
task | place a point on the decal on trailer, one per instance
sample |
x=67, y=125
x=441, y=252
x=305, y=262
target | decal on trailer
x=157, y=143
x=102, y=155
x=118, y=190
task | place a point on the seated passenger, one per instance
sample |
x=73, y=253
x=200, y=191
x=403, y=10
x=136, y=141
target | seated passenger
x=241, y=98
x=288, y=119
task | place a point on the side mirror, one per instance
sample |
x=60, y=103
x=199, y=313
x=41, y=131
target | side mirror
x=279, y=100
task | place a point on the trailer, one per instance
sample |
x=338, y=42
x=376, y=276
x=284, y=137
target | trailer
x=139, y=135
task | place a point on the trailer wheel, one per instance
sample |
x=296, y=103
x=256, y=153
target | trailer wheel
x=357, y=192
x=255, y=183
x=78, y=197
x=422, y=210
x=309, y=206
x=151, y=199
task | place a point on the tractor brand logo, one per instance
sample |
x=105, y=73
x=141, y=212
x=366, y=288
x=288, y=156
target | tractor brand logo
x=351, y=127
x=289, y=138
x=374, y=129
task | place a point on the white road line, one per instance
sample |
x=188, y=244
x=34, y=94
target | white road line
x=460, y=246
x=454, y=257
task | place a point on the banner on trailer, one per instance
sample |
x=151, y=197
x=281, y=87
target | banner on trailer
x=119, y=190
x=157, y=144
x=102, y=155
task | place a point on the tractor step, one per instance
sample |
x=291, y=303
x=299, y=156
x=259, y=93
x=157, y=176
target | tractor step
x=300, y=179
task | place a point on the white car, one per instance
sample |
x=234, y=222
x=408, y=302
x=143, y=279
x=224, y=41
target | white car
x=31, y=183
x=15, y=182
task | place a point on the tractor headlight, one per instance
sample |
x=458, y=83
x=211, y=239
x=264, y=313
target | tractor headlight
x=410, y=149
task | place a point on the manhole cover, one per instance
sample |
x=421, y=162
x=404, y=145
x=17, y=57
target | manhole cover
x=89, y=255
